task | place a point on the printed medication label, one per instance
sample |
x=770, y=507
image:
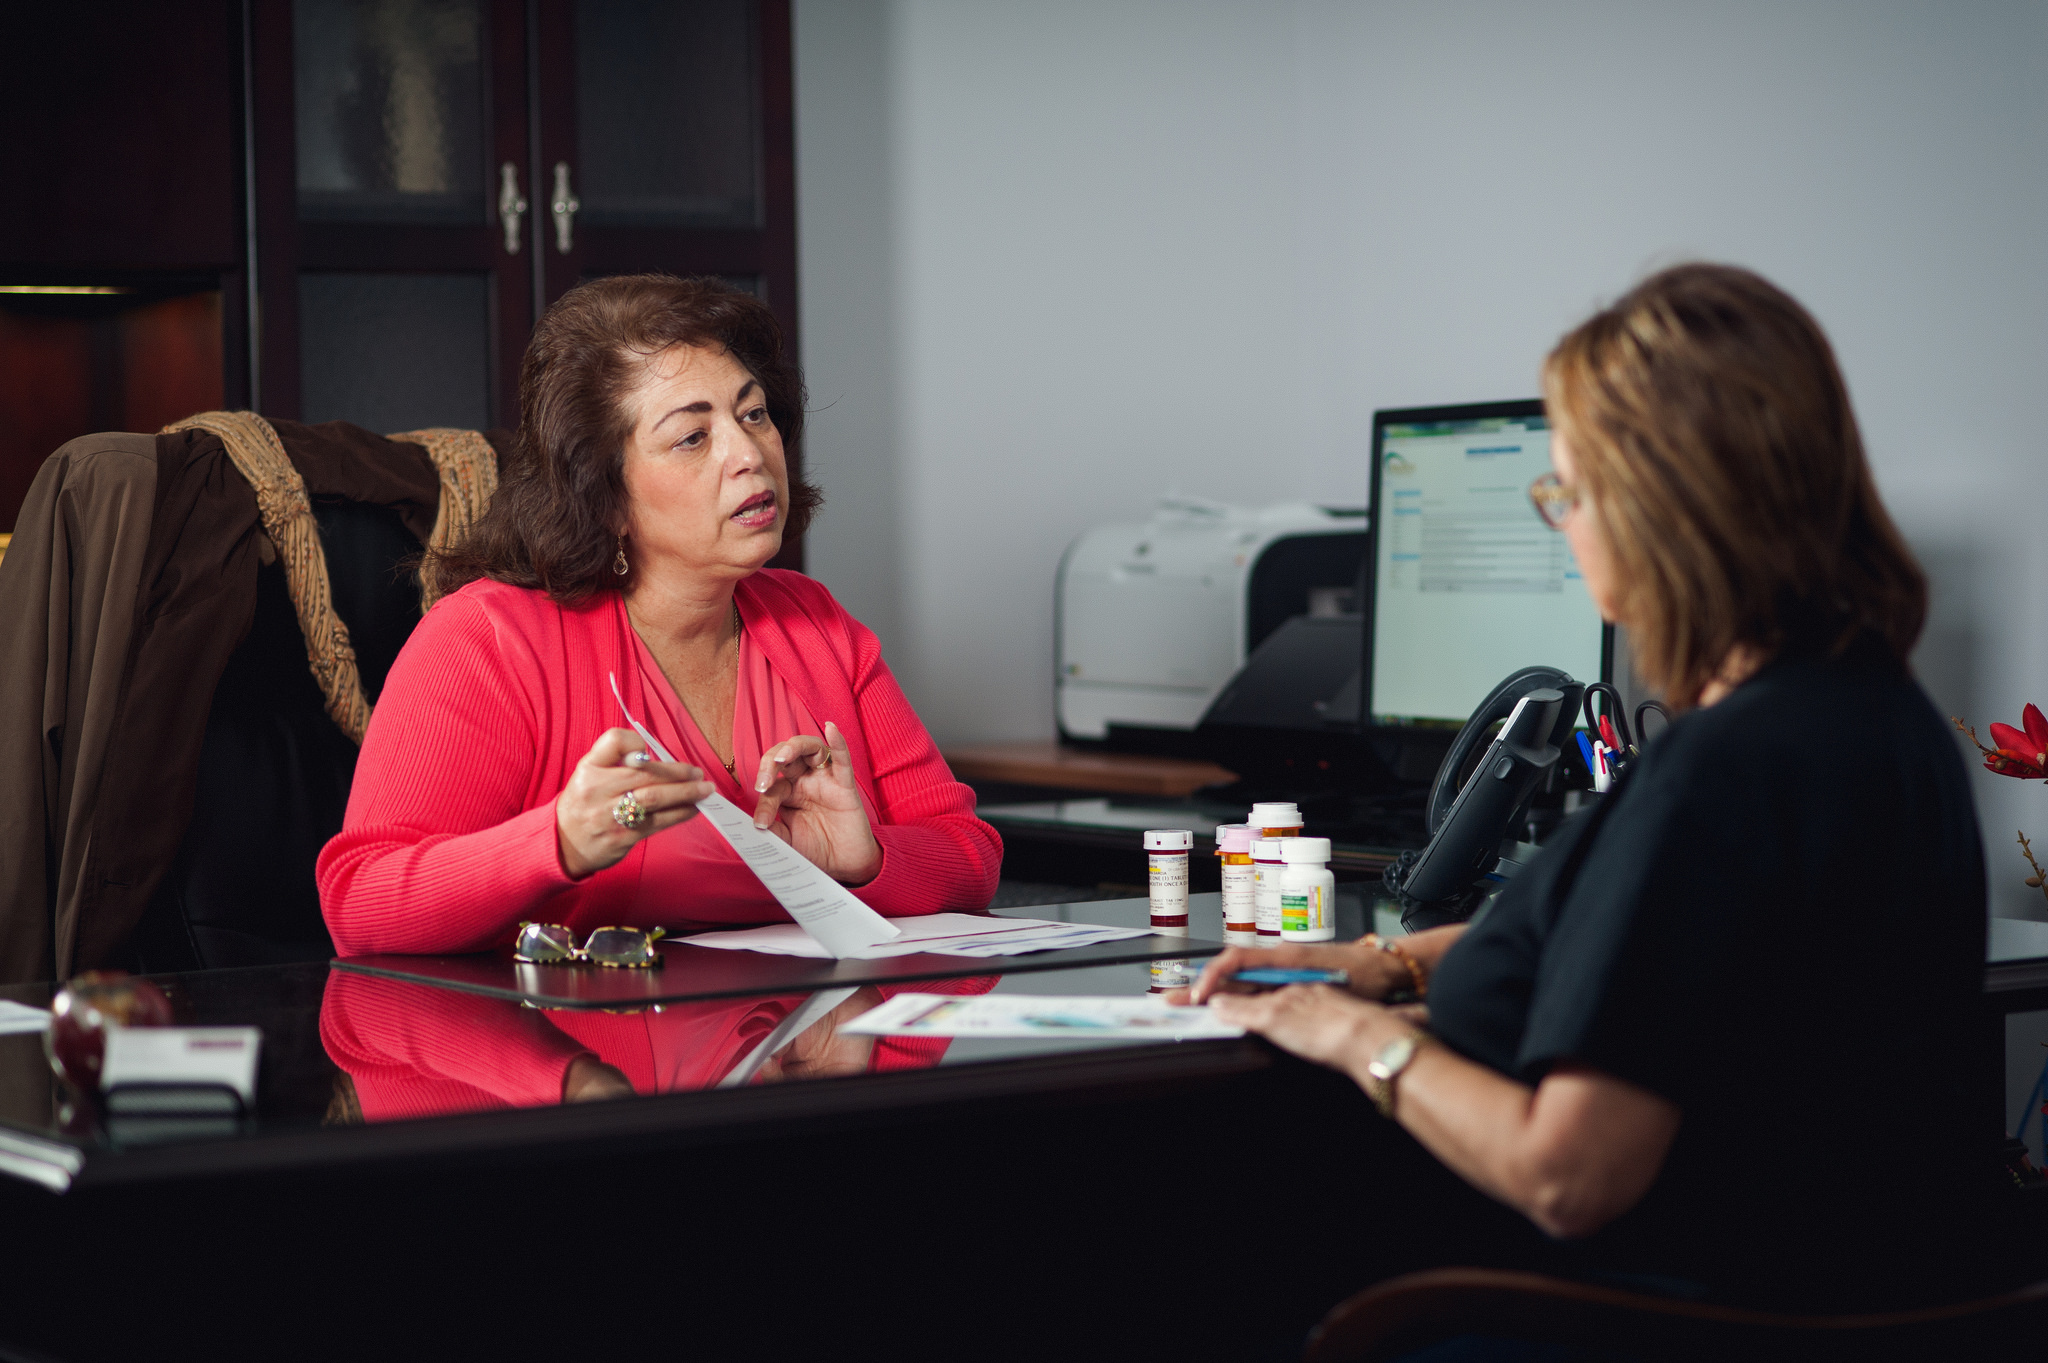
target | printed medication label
x=1304, y=911
x=1169, y=884
x=1240, y=895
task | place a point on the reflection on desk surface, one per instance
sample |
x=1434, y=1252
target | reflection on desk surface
x=412, y=1050
x=341, y=1047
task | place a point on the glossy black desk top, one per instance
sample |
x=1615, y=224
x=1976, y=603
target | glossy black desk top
x=699, y=972
x=359, y=1067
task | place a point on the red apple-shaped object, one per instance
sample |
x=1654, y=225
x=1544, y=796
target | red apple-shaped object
x=76, y=1041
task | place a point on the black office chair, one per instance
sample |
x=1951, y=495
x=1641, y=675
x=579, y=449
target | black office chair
x=274, y=770
x=1411, y=1312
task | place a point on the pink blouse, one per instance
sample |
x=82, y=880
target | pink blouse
x=764, y=713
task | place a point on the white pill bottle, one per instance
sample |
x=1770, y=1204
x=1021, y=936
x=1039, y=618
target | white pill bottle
x=1308, y=891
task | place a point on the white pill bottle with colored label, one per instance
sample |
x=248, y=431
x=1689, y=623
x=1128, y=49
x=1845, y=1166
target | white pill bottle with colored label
x=1308, y=891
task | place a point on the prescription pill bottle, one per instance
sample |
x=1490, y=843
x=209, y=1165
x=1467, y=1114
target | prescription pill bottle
x=1166, y=852
x=1266, y=868
x=1276, y=819
x=1308, y=892
x=1240, y=888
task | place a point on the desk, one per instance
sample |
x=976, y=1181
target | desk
x=999, y=1199
x=990, y=1200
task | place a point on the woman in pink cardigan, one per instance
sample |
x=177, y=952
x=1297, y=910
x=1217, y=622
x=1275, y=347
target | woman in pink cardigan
x=629, y=537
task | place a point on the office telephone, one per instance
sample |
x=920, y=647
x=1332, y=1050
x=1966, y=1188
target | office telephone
x=1474, y=804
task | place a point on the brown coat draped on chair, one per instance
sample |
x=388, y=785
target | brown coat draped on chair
x=130, y=580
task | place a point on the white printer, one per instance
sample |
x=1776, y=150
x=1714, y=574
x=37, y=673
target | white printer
x=1153, y=617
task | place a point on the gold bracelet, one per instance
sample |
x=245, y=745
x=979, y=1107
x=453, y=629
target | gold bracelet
x=1416, y=977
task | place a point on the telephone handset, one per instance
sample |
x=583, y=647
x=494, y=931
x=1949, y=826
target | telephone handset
x=1472, y=807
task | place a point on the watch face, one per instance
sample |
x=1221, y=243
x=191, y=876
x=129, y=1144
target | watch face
x=1392, y=1057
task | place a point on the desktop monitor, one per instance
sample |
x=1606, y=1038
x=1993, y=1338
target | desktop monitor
x=1466, y=583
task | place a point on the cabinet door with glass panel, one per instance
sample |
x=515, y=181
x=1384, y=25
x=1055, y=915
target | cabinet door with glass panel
x=459, y=164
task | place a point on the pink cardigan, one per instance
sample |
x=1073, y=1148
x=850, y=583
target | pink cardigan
x=449, y=840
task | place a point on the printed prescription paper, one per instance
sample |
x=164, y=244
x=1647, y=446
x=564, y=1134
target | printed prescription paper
x=945, y=934
x=1144, y=1018
x=826, y=909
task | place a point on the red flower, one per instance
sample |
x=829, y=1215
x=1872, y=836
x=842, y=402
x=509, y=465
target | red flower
x=2024, y=755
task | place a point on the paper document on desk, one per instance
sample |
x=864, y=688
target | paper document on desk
x=17, y=1018
x=1022, y=1015
x=840, y=923
x=947, y=934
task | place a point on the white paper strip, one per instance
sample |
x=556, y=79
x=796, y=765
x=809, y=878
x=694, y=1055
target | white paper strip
x=946, y=934
x=1023, y=1015
x=20, y=1017
x=826, y=909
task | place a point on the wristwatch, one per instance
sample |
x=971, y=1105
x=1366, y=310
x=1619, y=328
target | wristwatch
x=1386, y=1066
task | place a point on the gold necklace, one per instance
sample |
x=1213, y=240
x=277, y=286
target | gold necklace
x=731, y=766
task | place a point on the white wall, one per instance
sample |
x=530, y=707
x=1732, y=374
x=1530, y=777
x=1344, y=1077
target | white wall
x=1058, y=257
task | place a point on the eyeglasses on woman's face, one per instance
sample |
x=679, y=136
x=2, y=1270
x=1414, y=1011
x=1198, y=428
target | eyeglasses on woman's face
x=1553, y=499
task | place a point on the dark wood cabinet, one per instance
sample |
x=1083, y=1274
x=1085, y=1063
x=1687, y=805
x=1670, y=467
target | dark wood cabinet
x=408, y=183
x=120, y=137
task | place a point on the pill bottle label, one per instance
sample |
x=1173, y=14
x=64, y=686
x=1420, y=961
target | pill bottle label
x=1266, y=911
x=1168, y=879
x=1240, y=895
x=1308, y=914
x=1171, y=974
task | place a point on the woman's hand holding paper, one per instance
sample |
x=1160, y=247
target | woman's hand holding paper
x=588, y=831
x=809, y=799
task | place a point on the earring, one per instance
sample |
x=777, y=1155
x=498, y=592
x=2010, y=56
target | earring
x=619, y=564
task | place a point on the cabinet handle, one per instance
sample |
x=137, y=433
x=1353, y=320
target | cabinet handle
x=565, y=206
x=511, y=206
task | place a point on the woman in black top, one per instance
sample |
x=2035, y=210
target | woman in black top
x=1723, y=1030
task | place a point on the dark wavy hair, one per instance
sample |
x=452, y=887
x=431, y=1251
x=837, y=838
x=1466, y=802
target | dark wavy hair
x=563, y=489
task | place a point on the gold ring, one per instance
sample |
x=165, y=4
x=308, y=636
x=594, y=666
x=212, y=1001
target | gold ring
x=628, y=812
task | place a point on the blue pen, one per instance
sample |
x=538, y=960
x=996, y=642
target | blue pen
x=1270, y=977
x=1586, y=747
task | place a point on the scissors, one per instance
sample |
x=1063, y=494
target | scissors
x=1612, y=726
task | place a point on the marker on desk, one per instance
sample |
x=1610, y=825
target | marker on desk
x=1586, y=747
x=1603, y=773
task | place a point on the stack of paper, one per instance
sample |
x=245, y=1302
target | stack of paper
x=947, y=934
x=1145, y=1017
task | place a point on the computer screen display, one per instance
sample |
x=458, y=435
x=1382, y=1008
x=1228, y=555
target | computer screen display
x=1468, y=584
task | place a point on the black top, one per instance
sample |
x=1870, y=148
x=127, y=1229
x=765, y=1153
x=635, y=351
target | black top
x=1776, y=921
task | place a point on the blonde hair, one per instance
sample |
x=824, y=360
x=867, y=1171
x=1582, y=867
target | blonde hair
x=1712, y=436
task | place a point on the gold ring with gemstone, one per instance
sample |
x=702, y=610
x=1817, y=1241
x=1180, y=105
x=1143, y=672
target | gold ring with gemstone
x=628, y=812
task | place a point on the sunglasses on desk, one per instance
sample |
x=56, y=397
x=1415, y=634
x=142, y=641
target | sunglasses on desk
x=613, y=948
